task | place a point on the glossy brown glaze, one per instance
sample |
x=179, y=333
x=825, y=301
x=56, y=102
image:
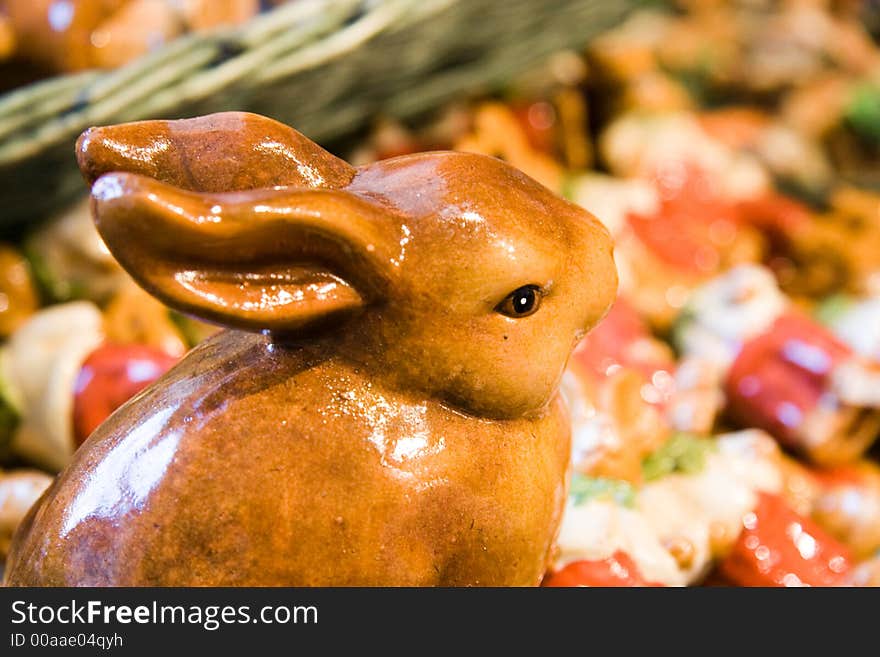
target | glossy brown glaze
x=223, y=152
x=387, y=424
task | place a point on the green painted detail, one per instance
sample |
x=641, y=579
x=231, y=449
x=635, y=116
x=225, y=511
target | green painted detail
x=683, y=453
x=863, y=111
x=833, y=308
x=583, y=489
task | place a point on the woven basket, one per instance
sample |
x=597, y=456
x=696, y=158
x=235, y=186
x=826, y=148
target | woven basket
x=323, y=66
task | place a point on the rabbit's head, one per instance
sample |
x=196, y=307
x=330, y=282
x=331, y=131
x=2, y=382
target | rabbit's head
x=452, y=274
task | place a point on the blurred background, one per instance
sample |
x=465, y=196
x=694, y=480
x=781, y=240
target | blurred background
x=724, y=414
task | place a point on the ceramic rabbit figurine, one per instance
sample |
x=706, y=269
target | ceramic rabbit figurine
x=386, y=411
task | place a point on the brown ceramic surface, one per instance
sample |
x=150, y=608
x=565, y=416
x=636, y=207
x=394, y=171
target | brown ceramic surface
x=392, y=418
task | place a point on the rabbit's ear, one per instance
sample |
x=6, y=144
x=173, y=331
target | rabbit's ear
x=222, y=152
x=281, y=259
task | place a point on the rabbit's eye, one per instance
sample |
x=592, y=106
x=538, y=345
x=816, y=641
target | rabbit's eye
x=522, y=302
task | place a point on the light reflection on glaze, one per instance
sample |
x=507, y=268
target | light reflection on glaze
x=107, y=188
x=179, y=211
x=404, y=240
x=145, y=154
x=266, y=292
x=261, y=208
x=466, y=219
x=399, y=432
x=472, y=217
x=189, y=280
x=123, y=480
x=508, y=248
x=310, y=173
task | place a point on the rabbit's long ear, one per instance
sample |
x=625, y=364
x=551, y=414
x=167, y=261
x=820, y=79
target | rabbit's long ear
x=281, y=259
x=222, y=152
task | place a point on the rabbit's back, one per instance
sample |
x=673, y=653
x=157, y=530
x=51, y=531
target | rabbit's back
x=253, y=464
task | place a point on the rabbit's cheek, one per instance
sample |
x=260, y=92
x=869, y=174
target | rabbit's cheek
x=514, y=372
